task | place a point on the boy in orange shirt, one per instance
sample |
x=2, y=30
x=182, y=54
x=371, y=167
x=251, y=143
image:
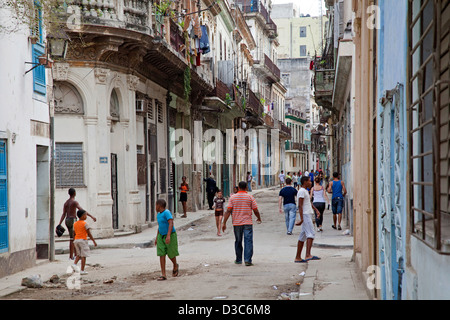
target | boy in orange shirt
x=81, y=231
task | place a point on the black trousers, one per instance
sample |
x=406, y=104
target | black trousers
x=210, y=196
x=321, y=207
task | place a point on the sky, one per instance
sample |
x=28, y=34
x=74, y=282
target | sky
x=306, y=6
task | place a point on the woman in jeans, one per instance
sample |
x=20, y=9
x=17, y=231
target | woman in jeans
x=318, y=194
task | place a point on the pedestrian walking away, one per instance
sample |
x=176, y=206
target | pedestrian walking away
x=69, y=215
x=211, y=189
x=219, y=203
x=319, y=196
x=311, y=176
x=81, y=232
x=337, y=188
x=306, y=210
x=249, y=181
x=166, y=241
x=295, y=180
x=240, y=206
x=287, y=197
x=282, y=177
x=184, y=188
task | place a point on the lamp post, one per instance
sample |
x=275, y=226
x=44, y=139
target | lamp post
x=57, y=48
x=58, y=43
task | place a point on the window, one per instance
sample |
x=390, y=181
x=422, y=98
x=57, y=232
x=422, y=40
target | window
x=429, y=125
x=69, y=165
x=160, y=108
x=302, y=32
x=38, y=49
x=302, y=51
x=286, y=78
x=114, y=109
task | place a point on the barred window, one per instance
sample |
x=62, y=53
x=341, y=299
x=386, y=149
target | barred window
x=69, y=165
x=429, y=126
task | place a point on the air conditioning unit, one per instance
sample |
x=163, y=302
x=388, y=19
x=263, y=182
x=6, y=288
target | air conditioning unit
x=140, y=105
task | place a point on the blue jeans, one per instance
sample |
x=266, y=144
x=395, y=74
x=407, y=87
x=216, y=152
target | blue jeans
x=337, y=204
x=246, y=233
x=290, y=213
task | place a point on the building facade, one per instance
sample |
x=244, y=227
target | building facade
x=25, y=147
x=299, y=36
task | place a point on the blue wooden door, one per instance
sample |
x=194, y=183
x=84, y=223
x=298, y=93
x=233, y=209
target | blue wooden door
x=392, y=193
x=3, y=199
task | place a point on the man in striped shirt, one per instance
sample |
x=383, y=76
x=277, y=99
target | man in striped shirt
x=241, y=205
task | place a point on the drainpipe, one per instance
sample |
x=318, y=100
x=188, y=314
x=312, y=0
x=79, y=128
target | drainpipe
x=52, y=185
x=170, y=189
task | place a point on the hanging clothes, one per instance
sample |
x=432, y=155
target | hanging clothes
x=204, y=41
x=197, y=27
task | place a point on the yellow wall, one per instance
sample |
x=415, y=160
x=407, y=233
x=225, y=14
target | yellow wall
x=288, y=30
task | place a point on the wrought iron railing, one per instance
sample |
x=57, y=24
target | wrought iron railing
x=272, y=66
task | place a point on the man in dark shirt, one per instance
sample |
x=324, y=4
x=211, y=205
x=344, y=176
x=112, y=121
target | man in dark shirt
x=70, y=215
x=211, y=189
x=287, y=196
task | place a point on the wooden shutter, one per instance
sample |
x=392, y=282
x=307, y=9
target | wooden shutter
x=3, y=199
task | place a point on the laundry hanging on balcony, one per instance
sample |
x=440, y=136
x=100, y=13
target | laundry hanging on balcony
x=204, y=41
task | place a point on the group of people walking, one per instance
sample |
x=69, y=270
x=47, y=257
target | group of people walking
x=310, y=200
x=307, y=199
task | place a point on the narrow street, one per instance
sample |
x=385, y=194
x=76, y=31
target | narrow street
x=207, y=270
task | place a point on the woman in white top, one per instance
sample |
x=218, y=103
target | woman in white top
x=318, y=195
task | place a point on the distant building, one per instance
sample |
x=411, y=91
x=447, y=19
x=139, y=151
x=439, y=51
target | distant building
x=299, y=36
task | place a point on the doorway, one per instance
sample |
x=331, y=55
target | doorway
x=114, y=192
x=42, y=202
x=152, y=190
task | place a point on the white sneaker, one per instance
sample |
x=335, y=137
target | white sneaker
x=75, y=268
x=83, y=272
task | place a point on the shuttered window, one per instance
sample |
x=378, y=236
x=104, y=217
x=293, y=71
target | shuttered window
x=38, y=49
x=3, y=198
x=69, y=165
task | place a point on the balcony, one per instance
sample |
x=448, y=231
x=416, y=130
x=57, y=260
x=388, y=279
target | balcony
x=268, y=69
x=268, y=121
x=273, y=68
x=132, y=35
x=285, y=132
x=176, y=38
x=220, y=97
x=127, y=14
x=257, y=9
x=324, y=74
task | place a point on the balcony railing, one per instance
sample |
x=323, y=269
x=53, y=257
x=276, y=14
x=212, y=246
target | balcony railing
x=221, y=90
x=130, y=14
x=268, y=120
x=324, y=75
x=248, y=6
x=272, y=66
x=254, y=103
x=285, y=129
x=176, y=38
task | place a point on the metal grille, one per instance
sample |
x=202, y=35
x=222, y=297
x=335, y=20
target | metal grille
x=428, y=130
x=69, y=165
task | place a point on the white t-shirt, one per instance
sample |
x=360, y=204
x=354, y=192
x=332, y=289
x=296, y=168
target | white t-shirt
x=306, y=174
x=281, y=176
x=307, y=208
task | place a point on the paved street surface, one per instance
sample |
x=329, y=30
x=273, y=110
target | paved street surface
x=126, y=267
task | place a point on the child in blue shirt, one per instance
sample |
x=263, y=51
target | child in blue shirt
x=166, y=241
